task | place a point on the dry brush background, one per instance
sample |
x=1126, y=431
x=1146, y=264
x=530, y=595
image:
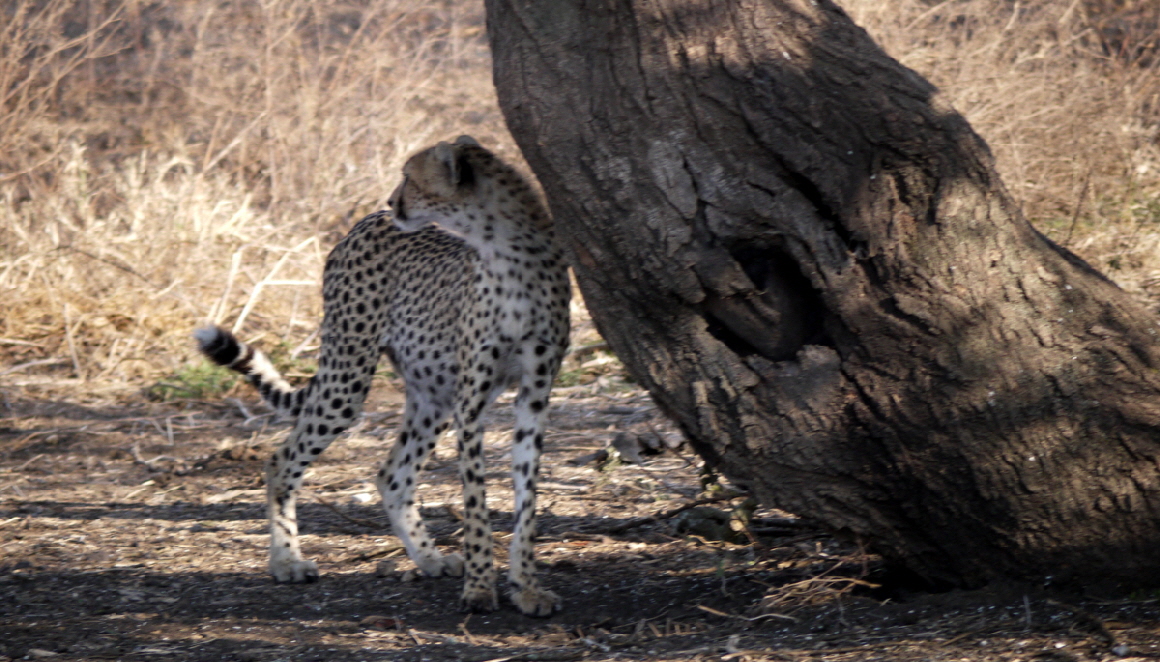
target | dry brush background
x=163, y=163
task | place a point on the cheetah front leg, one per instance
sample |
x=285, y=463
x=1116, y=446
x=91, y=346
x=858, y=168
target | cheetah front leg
x=531, y=408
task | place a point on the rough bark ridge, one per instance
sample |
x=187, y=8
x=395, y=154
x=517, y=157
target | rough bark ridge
x=811, y=263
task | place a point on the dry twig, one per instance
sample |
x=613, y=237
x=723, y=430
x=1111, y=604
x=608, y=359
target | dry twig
x=370, y=524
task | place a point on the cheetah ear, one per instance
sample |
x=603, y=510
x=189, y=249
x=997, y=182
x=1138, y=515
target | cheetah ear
x=455, y=159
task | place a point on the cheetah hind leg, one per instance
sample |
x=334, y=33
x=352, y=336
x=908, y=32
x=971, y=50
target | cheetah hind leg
x=479, y=599
x=396, y=482
x=286, y=562
x=536, y=601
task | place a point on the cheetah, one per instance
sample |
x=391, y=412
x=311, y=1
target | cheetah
x=465, y=290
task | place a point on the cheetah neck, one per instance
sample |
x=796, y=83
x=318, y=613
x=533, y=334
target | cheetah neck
x=514, y=256
x=507, y=238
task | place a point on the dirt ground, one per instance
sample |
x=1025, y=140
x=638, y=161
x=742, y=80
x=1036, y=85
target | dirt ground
x=135, y=530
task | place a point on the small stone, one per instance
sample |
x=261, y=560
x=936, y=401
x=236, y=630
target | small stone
x=409, y=576
x=629, y=448
x=599, y=457
x=385, y=568
x=381, y=622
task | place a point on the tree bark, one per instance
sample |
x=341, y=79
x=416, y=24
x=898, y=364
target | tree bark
x=809, y=260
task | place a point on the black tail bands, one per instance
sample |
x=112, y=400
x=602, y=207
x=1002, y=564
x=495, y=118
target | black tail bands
x=224, y=349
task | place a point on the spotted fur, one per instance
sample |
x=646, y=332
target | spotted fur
x=467, y=294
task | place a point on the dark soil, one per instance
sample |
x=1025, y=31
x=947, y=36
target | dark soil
x=137, y=531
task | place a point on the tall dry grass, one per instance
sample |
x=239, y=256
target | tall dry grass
x=1067, y=94
x=166, y=162
x=162, y=163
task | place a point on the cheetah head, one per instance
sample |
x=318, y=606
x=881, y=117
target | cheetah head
x=440, y=186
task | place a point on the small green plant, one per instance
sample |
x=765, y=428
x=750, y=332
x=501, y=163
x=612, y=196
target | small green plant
x=572, y=378
x=710, y=483
x=1144, y=595
x=293, y=368
x=612, y=462
x=198, y=381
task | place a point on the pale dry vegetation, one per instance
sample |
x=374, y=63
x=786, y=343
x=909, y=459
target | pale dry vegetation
x=163, y=163
x=1067, y=94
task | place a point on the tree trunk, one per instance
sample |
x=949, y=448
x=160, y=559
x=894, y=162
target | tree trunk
x=809, y=260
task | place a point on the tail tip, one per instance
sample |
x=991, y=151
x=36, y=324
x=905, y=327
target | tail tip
x=208, y=335
x=216, y=343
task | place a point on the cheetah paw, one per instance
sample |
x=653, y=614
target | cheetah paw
x=536, y=601
x=442, y=566
x=294, y=571
x=479, y=600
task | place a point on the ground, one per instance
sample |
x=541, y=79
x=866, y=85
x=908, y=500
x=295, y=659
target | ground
x=135, y=530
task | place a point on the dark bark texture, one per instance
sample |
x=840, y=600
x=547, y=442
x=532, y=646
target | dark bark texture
x=810, y=262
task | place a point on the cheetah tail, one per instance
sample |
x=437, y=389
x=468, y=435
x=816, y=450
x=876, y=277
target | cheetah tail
x=224, y=349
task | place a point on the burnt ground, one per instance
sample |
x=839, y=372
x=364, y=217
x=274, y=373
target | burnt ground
x=134, y=530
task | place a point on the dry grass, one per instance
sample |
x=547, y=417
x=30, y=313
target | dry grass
x=1067, y=94
x=163, y=163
